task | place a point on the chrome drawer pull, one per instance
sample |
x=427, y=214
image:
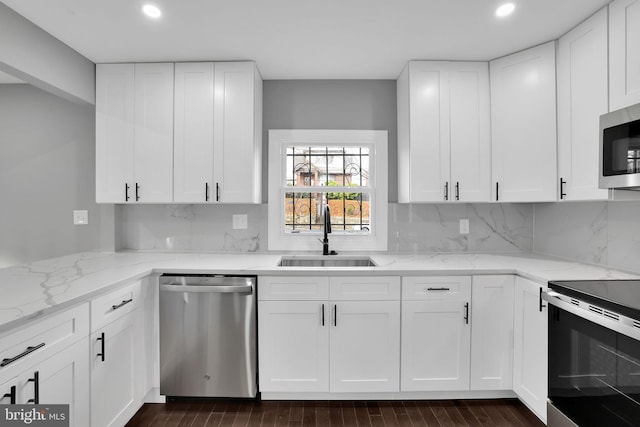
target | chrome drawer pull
x=438, y=289
x=123, y=303
x=6, y=362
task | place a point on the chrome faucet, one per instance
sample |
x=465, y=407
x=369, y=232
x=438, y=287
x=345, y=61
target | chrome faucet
x=327, y=230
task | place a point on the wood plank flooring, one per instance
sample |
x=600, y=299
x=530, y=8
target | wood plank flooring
x=436, y=413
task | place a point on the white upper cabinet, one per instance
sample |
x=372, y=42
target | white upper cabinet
x=114, y=132
x=237, y=133
x=218, y=133
x=153, y=152
x=624, y=53
x=582, y=98
x=523, y=119
x=443, y=132
x=202, y=145
x=134, y=133
x=193, y=132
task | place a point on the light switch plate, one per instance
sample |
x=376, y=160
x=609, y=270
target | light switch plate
x=464, y=226
x=240, y=222
x=80, y=217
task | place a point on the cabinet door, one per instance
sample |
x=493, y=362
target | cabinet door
x=582, y=98
x=117, y=377
x=470, y=132
x=435, y=346
x=492, y=333
x=293, y=345
x=365, y=346
x=61, y=378
x=114, y=132
x=153, y=167
x=236, y=144
x=523, y=125
x=193, y=133
x=426, y=165
x=530, y=347
x=624, y=53
x=64, y=379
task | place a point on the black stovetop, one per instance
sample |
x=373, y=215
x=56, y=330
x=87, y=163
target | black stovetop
x=620, y=296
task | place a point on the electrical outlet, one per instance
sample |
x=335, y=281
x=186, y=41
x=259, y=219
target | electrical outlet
x=464, y=226
x=240, y=222
x=80, y=217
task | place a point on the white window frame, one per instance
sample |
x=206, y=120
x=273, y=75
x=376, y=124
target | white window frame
x=376, y=140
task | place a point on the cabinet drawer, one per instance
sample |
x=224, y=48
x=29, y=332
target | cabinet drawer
x=350, y=288
x=109, y=307
x=293, y=288
x=43, y=337
x=436, y=288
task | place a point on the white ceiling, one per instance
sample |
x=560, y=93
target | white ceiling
x=297, y=39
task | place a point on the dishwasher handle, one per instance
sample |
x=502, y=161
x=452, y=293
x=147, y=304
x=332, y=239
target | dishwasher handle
x=217, y=289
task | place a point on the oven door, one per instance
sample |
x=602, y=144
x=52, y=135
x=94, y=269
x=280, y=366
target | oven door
x=594, y=370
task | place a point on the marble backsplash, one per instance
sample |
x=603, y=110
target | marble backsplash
x=602, y=233
x=422, y=228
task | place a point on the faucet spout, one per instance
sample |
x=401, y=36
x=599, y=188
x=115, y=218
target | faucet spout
x=327, y=230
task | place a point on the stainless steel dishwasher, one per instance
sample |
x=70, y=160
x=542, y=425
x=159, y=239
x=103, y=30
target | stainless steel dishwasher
x=208, y=336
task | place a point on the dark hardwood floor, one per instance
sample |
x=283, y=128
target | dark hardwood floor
x=437, y=413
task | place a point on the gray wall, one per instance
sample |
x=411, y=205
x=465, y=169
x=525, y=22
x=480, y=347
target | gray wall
x=47, y=169
x=602, y=233
x=331, y=104
x=36, y=57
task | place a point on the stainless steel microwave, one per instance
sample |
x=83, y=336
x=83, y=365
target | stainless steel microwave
x=620, y=149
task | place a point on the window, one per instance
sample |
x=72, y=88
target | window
x=344, y=170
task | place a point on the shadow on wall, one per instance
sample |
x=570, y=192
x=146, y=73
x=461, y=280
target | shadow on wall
x=47, y=169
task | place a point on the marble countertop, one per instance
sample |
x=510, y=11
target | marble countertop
x=32, y=290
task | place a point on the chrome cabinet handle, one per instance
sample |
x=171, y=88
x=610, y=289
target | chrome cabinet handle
x=122, y=304
x=206, y=191
x=217, y=192
x=466, y=313
x=438, y=289
x=126, y=192
x=457, y=190
x=446, y=190
x=497, y=191
x=29, y=350
x=137, y=192
x=322, y=314
x=562, y=193
x=36, y=388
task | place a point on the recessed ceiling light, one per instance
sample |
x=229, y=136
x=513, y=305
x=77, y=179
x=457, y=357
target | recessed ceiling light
x=505, y=10
x=152, y=11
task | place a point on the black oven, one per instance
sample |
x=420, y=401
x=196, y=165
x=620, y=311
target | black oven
x=594, y=353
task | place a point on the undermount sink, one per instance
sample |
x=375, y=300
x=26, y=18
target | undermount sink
x=326, y=261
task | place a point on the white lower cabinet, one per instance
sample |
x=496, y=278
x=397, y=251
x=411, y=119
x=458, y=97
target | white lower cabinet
x=293, y=342
x=435, y=333
x=457, y=333
x=364, y=346
x=117, y=356
x=492, y=332
x=315, y=344
x=117, y=373
x=61, y=378
x=530, y=346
